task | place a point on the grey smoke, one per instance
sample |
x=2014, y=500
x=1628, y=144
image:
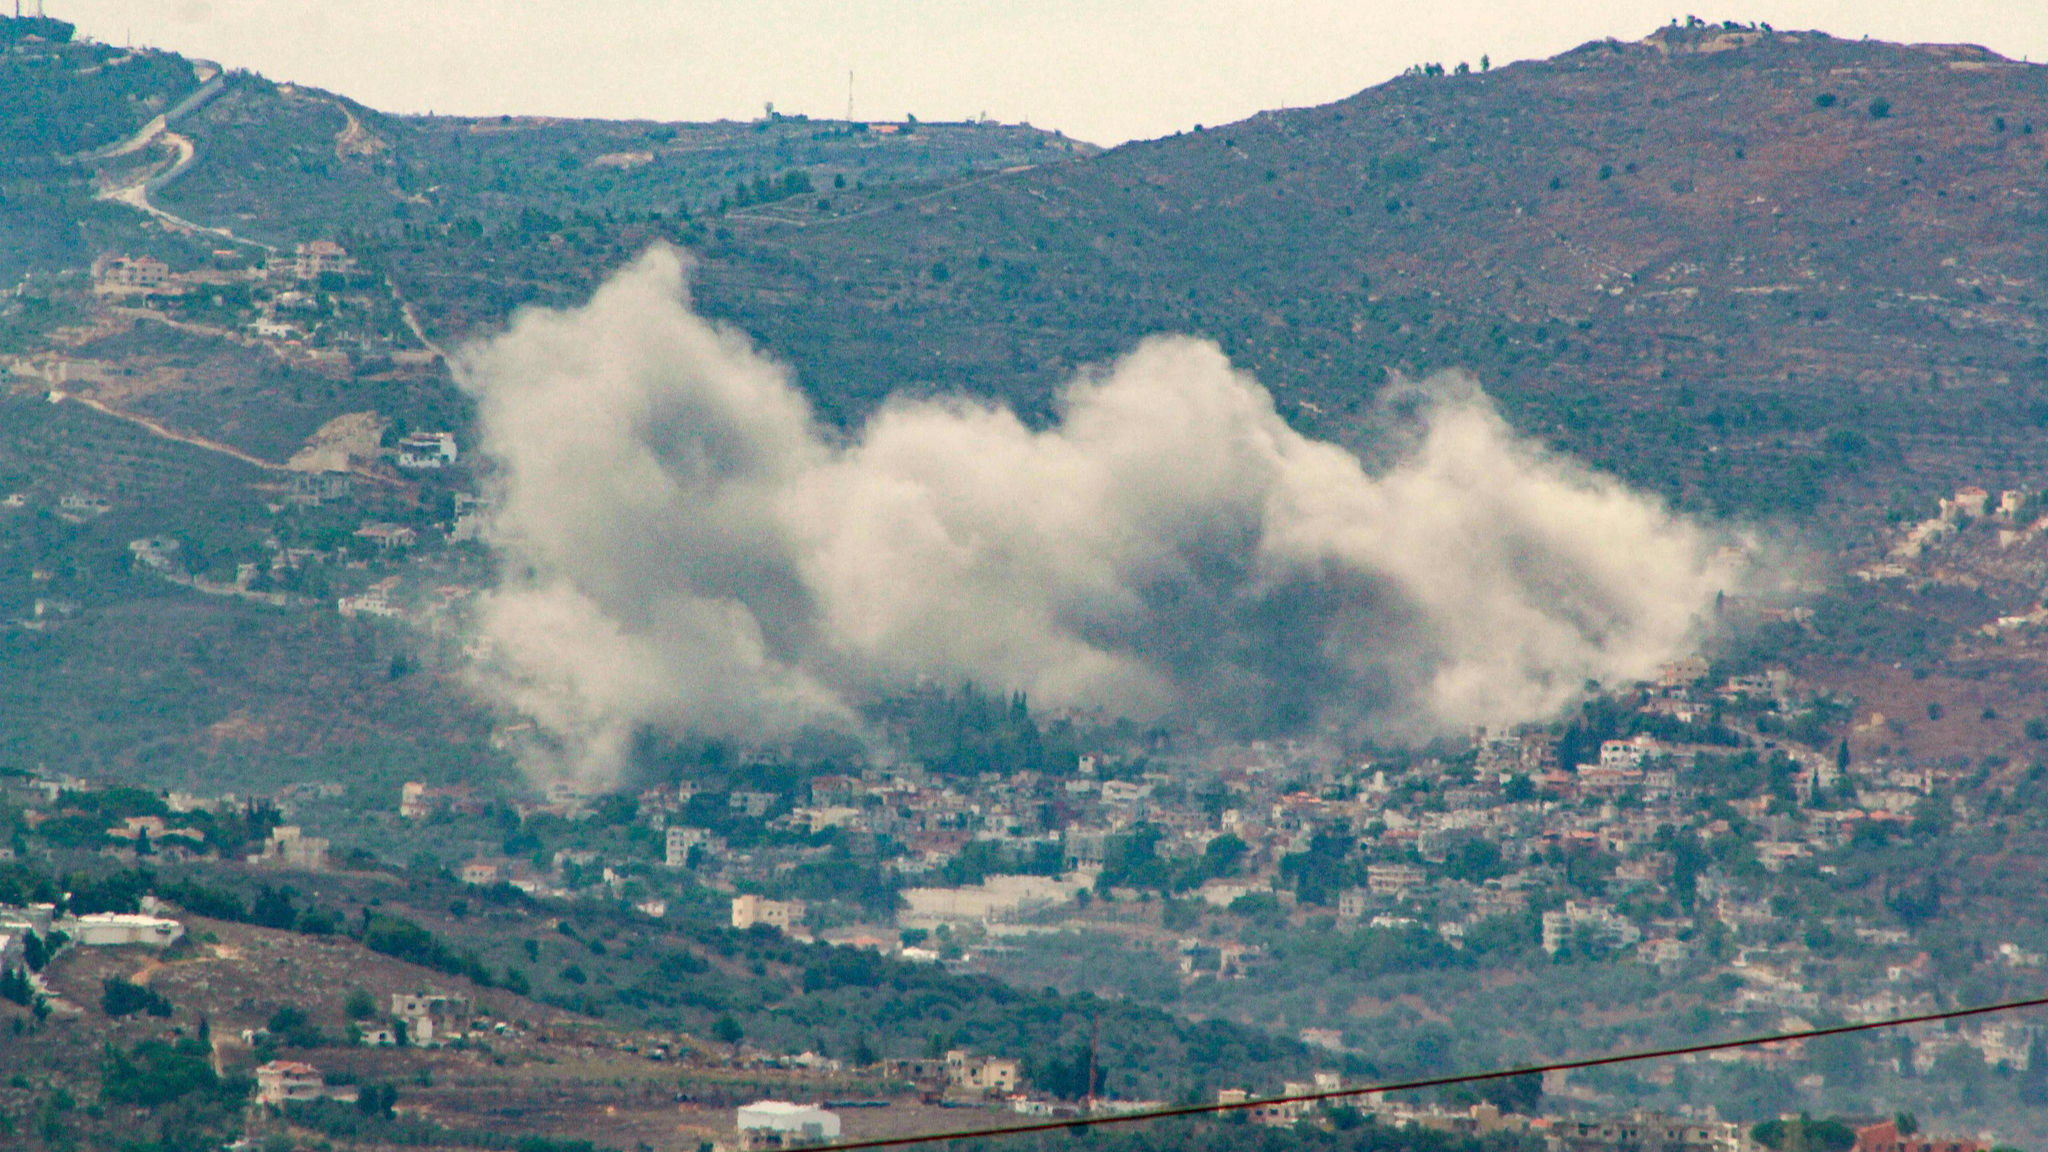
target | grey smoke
x=684, y=547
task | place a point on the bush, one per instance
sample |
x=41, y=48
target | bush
x=399, y=937
x=121, y=997
x=289, y=1026
x=727, y=1031
x=156, y=1072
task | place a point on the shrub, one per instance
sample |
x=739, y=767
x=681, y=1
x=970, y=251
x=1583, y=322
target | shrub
x=121, y=997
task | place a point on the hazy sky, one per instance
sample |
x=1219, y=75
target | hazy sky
x=1102, y=71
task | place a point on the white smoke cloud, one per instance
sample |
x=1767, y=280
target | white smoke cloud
x=684, y=547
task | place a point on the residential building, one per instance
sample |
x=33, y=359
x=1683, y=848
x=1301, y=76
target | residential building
x=751, y=803
x=130, y=275
x=1328, y=1038
x=1885, y=1137
x=680, y=840
x=1641, y=1129
x=283, y=1080
x=289, y=847
x=1394, y=879
x=427, y=450
x=989, y=1075
x=1606, y=928
x=313, y=258
x=782, y=915
x=388, y=535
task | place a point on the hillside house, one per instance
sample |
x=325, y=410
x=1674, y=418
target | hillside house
x=313, y=258
x=427, y=450
x=680, y=840
x=751, y=803
x=1598, y=779
x=1968, y=501
x=782, y=915
x=373, y=602
x=290, y=847
x=312, y=489
x=416, y=800
x=1396, y=880
x=114, y=275
x=427, y=1015
x=1640, y=1129
x=1592, y=917
x=987, y=1075
x=77, y=506
x=388, y=535
x=1884, y=1137
x=157, y=553
x=283, y=1080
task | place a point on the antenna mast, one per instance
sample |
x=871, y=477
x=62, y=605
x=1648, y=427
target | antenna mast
x=849, y=95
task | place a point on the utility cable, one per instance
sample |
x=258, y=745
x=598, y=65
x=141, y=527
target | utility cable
x=1079, y=1122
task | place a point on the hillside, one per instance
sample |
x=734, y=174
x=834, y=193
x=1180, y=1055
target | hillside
x=620, y=1051
x=1750, y=270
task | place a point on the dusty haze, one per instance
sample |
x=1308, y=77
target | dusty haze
x=684, y=548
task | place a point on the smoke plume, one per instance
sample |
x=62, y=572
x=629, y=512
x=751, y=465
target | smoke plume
x=684, y=547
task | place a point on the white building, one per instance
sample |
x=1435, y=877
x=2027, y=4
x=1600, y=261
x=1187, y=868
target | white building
x=1608, y=928
x=113, y=929
x=995, y=899
x=793, y=1122
x=680, y=840
x=427, y=450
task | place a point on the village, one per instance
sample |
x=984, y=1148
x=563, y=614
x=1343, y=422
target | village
x=1709, y=794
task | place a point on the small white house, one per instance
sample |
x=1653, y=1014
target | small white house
x=793, y=1122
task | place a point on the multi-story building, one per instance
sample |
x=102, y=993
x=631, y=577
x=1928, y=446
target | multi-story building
x=282, y=1080
x=782, y=915
x=1601, y=921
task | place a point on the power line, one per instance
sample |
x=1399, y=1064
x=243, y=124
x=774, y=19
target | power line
x=1432, y=1082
